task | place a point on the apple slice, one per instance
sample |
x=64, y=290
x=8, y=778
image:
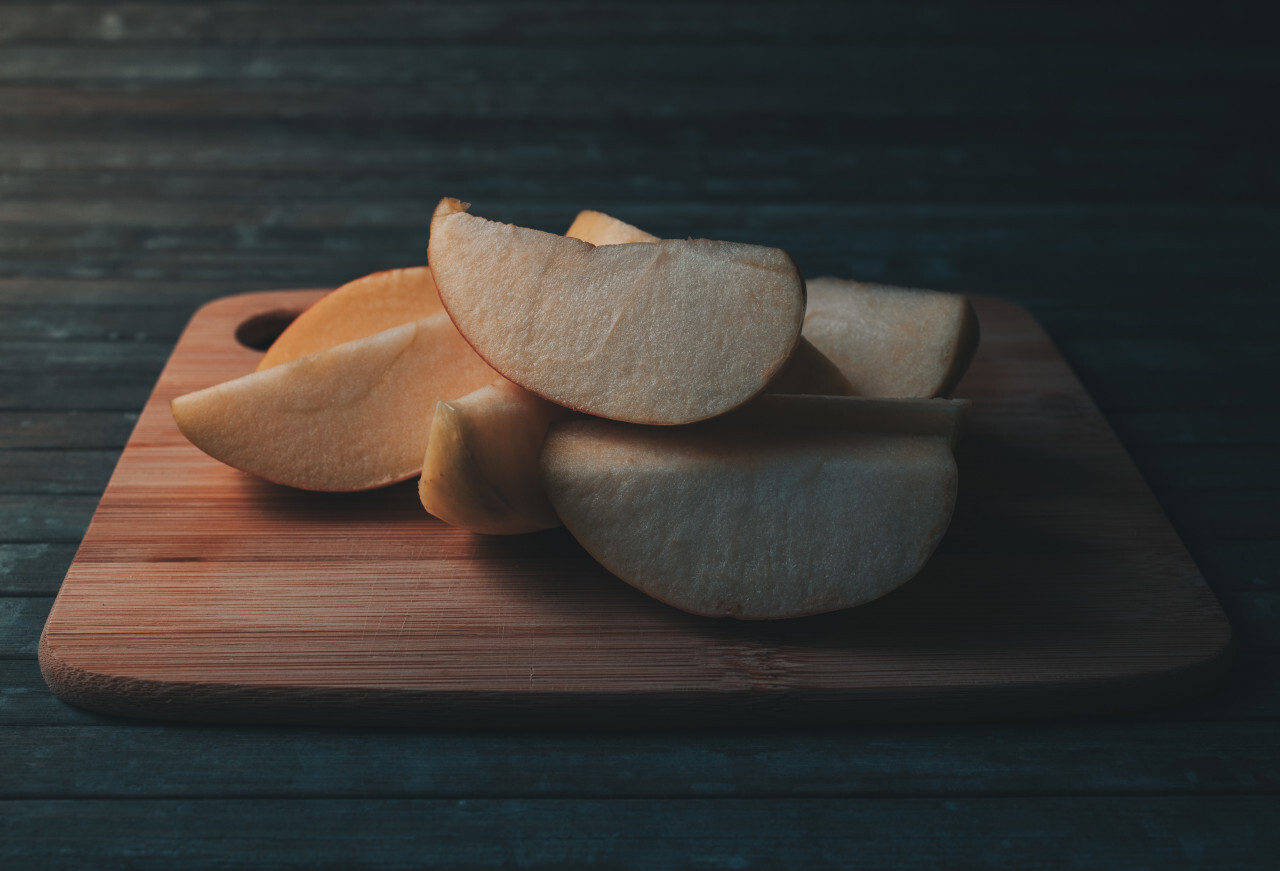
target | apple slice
x=892, y=341
x=357, y=309
x=481, y=471
x=353, y=417
x=807, y=371
x=790, y=507
x=668, y=332
x=601, y=229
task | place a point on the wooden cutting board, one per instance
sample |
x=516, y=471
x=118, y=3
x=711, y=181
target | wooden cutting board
x=202, y=593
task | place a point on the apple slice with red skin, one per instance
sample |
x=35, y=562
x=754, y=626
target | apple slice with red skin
x=668, y=332
x=892, y=341
x=353, y=417
x=368, y=305
x=789, y=507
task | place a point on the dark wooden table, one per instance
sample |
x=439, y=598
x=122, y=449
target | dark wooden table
x=1111, y=166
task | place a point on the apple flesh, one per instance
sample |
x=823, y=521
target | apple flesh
x=892, y=341
x=353, y=417
x=807, y=371
x=779, y=510
x=359, y=308
x=601, y=229
x=668, y=332
x=481, y=470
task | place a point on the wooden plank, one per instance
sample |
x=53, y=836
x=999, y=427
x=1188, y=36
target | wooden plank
x=45, y=518
x=33, y=568
x=1251, y=692
x=902, y=68
x=65, y=430
x=1196, y=322
x=128, y=297
x=1199, y=426
x=958, y=174
x=1085, y=833
x=56, y=357
x=1047, y=494
x=1091, y=157
x=1255, y=616
x=20, y=620
x=803, y=23
x=25, y=700
x=1210, y=467
x=55, y=472
x=61, y=323
x=91, y=391
x=974, y=86
x=1240, y=565
x=1224, y=515
x=1029, y=759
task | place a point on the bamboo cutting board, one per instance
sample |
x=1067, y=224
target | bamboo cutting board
x=202, y=593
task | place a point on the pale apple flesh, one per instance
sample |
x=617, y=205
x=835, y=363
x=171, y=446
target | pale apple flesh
x=481, y=468
x=353, y=417
x=892, y=341
x=359, y=308
x=668, y=332
x=601, y=229
x=732, y=519
x=807, y=371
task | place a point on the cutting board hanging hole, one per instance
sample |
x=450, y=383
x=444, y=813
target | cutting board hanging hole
x=260, y=331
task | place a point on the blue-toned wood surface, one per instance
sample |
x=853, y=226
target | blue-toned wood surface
x=1112, y=166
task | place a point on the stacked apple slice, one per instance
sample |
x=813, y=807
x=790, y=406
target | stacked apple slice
x=608, y=380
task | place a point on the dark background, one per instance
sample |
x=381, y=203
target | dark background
x=1112, y=166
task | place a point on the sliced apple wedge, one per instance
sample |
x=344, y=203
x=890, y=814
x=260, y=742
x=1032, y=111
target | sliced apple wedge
x=783, y=509
x=353, y=417
x=807, y=371
x=668, y=332
x=892, y=341
x=357, y=309
x=481, y=471
x=601, y=229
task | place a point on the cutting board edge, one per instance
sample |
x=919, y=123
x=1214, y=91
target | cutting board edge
x=127, y=696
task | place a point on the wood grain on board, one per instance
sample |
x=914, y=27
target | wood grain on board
x=202, y=593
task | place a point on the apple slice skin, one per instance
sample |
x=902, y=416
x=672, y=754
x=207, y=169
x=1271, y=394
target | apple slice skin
x=354, y=417
x=892, y=341
x=667, y=332
x=359, y=308
x=723, y=519
x=481, y=469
